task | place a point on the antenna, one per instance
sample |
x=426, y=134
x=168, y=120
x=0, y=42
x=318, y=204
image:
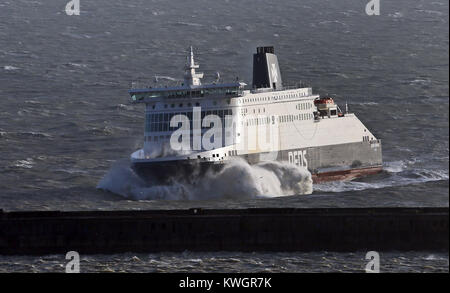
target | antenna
x=217, y=76
x=191, y=77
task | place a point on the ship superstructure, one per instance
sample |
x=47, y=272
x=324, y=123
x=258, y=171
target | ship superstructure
x=194, y=127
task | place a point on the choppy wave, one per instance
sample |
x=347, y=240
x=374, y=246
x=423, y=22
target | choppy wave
x=426, y=11
x=237, y=179
x=79, y=65
x=125, y=107
x=231, y=262
x=418, y=81
x=106, y=130
x=21, y=134
x=366, y=103
x=183, y=23
x=326, y=22
x=395, y=166
x=396, y=15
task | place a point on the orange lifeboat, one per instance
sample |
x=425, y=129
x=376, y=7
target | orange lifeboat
x=326, y=107
x=324, y=101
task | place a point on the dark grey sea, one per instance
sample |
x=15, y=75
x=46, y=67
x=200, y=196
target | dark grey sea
x=66, y=120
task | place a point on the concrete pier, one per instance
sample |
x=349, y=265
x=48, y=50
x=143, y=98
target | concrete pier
x=330, y=229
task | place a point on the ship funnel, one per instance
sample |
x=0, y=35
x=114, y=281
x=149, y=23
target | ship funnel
x=266, y=72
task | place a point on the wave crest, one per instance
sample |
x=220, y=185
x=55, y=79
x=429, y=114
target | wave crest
x=237, y=179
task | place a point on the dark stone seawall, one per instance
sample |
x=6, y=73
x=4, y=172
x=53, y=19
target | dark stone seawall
x=334, y=229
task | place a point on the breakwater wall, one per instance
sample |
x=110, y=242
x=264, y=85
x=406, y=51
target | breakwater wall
x=277, y=229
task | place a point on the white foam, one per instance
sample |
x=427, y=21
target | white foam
x=435, y=257
x=396, y=15
x=9, y=67
x=125, y=107
x=420, y=81
x=395, y=166
x=188, y=23
x=237, y=179
x=25, y=164
x=79, y=65
x=166, y=77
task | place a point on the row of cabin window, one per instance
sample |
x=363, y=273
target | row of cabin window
x=181, y=105
x=201, y=93
x=262, y=99
x=258, y=121
x=165, y=126
x=291, y=118
x=303, y=106
x=166, y=117
x=197, y=93
x=197, y=104
x=245, y=110
x=167, y=137
x=281, y=119
x=161, y=121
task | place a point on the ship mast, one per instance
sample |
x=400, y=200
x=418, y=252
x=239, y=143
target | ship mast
x=190, y=76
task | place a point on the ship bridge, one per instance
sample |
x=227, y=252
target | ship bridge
x=146, y=95
x=190, y=88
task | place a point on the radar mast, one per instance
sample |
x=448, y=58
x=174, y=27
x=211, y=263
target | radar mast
x=191, y=77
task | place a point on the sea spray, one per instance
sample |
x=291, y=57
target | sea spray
x=237, y=179
x=120, y=179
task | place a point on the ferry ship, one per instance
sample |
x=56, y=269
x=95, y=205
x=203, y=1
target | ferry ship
x=192, y=128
